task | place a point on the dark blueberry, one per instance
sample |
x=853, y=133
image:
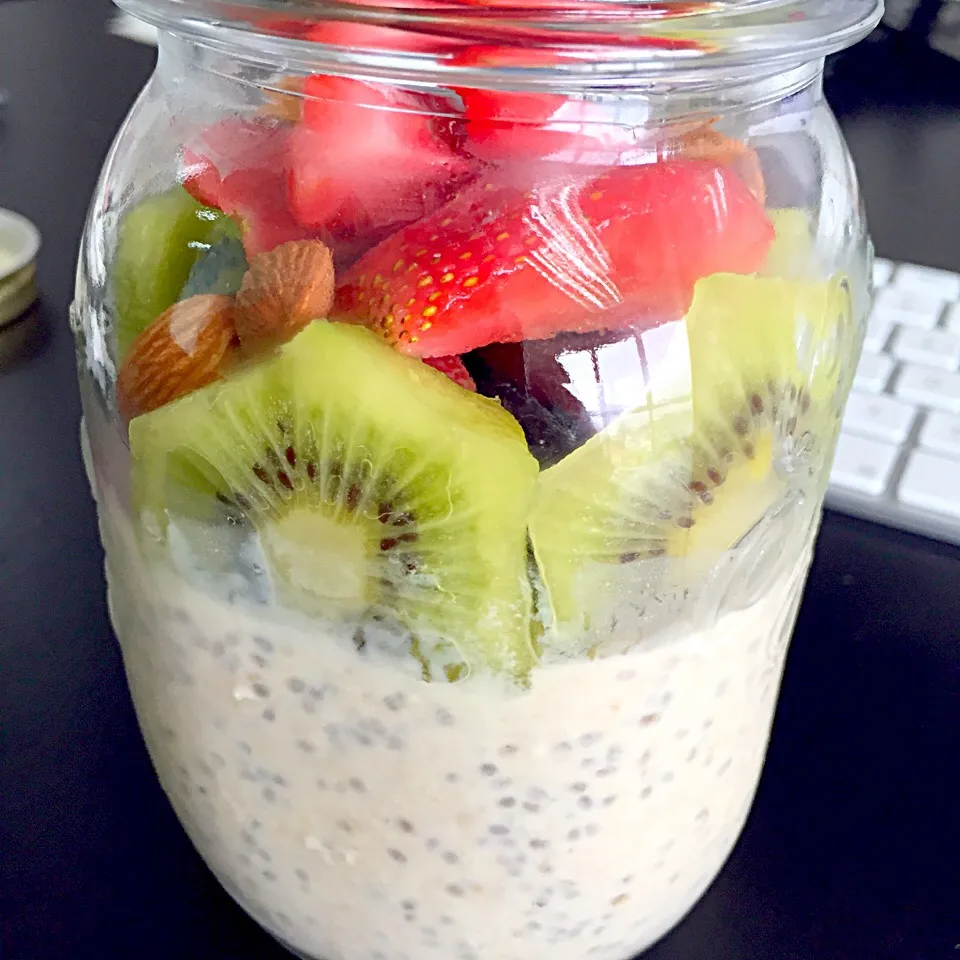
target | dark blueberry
x=258, y=661
x=445, y=718
x=269, y=715
x=306, y=746
x=269, y=875
x=452, y=777
x=261, y=689
x=395, y=702
x=397, y=855
x=302, y=874
x=394, y=743
x=405, y=825
x=539, y=844
x=578, y=787
x=450, y=857
x=573, y=834
x=562, y=747
x=357, y=785
x=269, y=794
x=488, y=769
x=344, y=826
x=263, y=644
x=296, y=685
x=455, y=890
x=245, y=748
x=584, y=803
x=507, y=802
x=499, y=830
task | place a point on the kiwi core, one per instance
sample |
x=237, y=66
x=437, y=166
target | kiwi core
x=315, y=554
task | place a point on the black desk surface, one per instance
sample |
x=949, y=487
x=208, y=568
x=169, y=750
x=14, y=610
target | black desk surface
x=853, y=848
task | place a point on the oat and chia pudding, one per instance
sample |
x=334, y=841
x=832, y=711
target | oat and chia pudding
x=359, y=813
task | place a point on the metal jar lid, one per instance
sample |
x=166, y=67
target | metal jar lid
x=19, y=245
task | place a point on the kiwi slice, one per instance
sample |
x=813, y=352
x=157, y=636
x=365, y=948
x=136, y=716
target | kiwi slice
x=744, y=402
x=378, y=487
x=158, y=244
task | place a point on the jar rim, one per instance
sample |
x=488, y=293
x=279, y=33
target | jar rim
x=593, y=44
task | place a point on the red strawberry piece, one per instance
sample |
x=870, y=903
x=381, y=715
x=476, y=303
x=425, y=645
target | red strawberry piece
x=238, y=166
x=503, y=124
x=368, y=36
x=453, y=368
x=500, y=263
x=365, y=159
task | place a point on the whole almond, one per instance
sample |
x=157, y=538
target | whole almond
x=184, y=349
x=284, y=290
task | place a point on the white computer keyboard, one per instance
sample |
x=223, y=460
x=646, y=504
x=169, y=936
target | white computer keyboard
x=898, y=459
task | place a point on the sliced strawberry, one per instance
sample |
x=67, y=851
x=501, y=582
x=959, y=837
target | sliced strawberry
x=365, y=159
x=502, y=125
x=453, y=368
x=367, y=36
x=238, y=167
x=502, y=264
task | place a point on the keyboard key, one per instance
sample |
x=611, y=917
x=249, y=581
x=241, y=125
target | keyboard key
x=882, y=271
x=933, y=348
x=931, y=483
x=873, y=372
x=863, y=465
x=912, y=309
x=927, y=280
x=880, y=417
x=878, y=333
x=941, y=432
x=930, y=387
x=952, y=321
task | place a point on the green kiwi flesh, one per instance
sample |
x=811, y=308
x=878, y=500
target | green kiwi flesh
x=375, y=483
x=751, y=399
x=158, y=244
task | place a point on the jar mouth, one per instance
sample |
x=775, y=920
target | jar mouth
x=588, y=43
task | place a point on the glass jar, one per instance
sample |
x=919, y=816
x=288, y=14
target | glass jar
x=460, y=390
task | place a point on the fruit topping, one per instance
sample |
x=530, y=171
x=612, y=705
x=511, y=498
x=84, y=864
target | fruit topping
x=185, y=348
x=453, y=368
x=505, y=125
x=533, y=381
x=160, y=241
x=729, y=405
x=503, y=263
x=365, y=159
x=378, y=489
x=239, y=166
x=282, y=292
